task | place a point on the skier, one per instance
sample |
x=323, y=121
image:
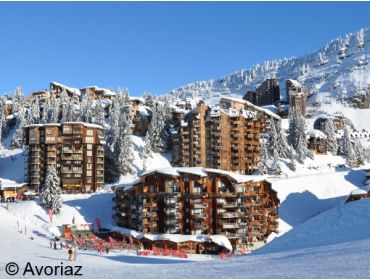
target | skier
x=61, y=245
x=55, y=245
x=69, y=254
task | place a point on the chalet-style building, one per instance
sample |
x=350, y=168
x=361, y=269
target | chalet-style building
x=338, y=119
x=57, y=89
x=199, y=201
x=266, y=94
x=356, y=195
x=297, y=95
x=317, y=141
x=98, y=93
x=74, y=148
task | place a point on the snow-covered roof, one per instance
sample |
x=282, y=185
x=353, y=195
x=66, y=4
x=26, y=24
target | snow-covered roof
x=176, y=109
x=140, y=99
x=106, y=92
x=295, y=83
x=8, y=184
x=238, y=178
x=8, y=102
x=202, y=172
x=73, y=90
x=233, y=98
x=66, y=123
x=358, y=192
x=263, y=110
x=177, y=238
x=317, y=134
x=144, y=111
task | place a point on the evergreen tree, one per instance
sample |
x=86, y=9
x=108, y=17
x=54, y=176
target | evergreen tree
x=54, y=109
x=264, y=158
x=98, y=113
x=347, y=148
x=124, y=147
x=297, y=134
x=293, y=165
x=86, y=108
x=148, y=99
x=35, y=111
x=276, y=141
x=18, y=137
x=63, y=102
x=167, y=125
x=359, y=152
x=50, y=195
x=329, y=131
x=155, y=130
x=3, y=115
x=18, y=99
x=46, y=111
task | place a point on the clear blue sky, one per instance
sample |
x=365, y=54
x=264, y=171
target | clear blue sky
x=158, y=46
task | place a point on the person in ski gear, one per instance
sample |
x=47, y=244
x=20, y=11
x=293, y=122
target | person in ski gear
x=69, y=254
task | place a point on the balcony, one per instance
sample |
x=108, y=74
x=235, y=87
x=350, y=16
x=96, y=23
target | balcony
x=150, y=204
x=230, y=226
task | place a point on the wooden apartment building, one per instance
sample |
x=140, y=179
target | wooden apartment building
x=199, y=201
x=266, y=94
x=74, y=148
x=225, y=137
x=297, y=95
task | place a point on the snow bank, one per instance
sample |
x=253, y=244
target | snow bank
x=347, y=222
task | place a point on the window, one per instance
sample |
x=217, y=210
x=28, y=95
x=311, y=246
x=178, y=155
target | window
x=50, y=139
x=88, y=173
x=49, y=131
x=90, y=132
x=89, y=139
x=89, y=153
x=88, y=180
x=89, y=166
x=89, y=146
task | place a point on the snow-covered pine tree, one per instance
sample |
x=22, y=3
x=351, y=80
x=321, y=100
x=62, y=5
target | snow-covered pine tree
x=156, y=127
x=359, y=152
x=123, y=147
x=167, y=120
x=98, y=113
x=264, y=158
x=329, y=131
x=35, y=111
x=276, y=141
x=74, y=108
x=3, y=115
x=86, y=108
x=22, y=121
x=64, y=101
x=54, y=109
x=17, y=99
x=45, y=111
x=347, y=148
x=148, y=99
x=297, y=134
x=293, y=165
x=50, y=195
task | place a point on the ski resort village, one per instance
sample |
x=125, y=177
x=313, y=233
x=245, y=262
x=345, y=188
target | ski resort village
x=261, y=173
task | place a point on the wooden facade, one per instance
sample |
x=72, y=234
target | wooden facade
x=199, y=201
x=297, y=95
x=74, y=148
x=225, y=137
x=266, y=94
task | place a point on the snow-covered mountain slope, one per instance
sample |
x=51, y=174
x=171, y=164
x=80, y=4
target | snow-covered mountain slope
x=344, y=223
x=338, y=70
